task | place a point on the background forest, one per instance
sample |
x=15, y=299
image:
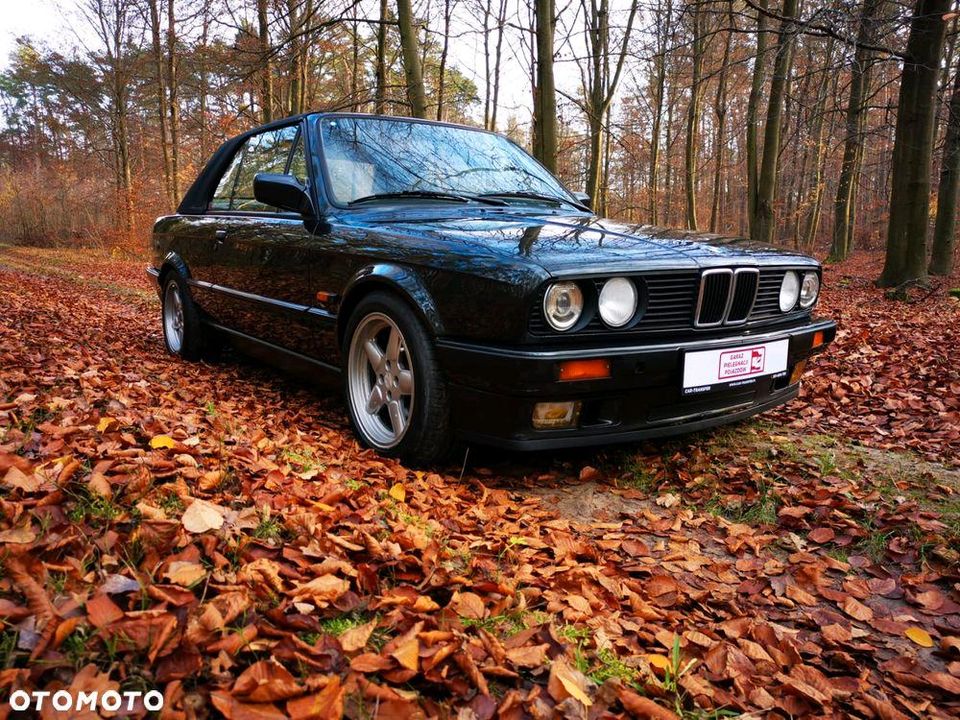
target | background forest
x=822, y=125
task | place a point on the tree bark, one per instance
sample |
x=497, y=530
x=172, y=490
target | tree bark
x=720, y=112
x=601, y=88
x=497, y=56
x=295, y=74
x=692, y=143
x=441, y=79
x=906, y=256
x=545, y=97
x=845, y=202
x=409, y=47
x=815, y=190
x=380, y=93
x=753, y=115
x=764, y=221
x=945, y=228
x=161, y=100
x=173, y=83
x=266, y=78
x=658, y=90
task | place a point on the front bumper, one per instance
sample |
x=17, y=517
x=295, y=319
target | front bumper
x=493, y=390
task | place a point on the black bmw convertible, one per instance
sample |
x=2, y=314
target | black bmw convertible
x=462, y=292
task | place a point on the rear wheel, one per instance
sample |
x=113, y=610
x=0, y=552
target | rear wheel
x=395, y=393
x=182, y=330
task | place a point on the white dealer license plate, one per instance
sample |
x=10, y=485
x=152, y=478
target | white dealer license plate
x=714, y=369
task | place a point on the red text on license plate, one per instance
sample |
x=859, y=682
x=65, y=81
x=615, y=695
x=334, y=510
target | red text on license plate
x=742, y=362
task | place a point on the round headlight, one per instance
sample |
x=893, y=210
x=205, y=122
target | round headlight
x=809, y=289
x=562, y=305
x=618, y=301
x=789, y=291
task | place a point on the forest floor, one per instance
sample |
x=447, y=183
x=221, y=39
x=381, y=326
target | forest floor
x=213, y=531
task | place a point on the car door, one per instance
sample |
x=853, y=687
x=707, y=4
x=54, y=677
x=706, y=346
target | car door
x=259, y=269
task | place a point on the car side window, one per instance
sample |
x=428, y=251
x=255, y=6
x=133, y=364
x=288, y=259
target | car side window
x=298, y=161
x=264, y=153
x=224, y=191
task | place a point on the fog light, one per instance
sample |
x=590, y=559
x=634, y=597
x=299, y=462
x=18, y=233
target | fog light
x=555, y=415
x=798, y=371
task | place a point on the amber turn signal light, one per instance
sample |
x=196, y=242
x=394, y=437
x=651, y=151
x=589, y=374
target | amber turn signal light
x=595, y=369
x=817, y=339
x=798, y=371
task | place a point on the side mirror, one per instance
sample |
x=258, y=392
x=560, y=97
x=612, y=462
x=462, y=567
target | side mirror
x=284, y=192
x=583, y=198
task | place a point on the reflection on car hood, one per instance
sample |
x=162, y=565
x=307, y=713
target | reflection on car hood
x=576, y=243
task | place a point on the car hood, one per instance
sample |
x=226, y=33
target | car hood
x=567, y=244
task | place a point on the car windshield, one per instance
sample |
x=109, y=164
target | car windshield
x=370, y=157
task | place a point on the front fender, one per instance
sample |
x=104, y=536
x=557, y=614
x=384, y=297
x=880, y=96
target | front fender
x=399, y=279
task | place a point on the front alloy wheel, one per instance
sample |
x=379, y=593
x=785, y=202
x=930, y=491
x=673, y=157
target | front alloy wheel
x=396, y=395
x=381, y=380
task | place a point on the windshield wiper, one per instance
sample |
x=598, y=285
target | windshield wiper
x=524, y=195
x=426, y=195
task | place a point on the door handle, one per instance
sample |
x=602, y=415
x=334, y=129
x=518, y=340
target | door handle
x=220, y=236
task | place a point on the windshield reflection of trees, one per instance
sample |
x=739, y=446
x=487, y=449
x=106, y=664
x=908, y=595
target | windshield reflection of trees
x=404, y=156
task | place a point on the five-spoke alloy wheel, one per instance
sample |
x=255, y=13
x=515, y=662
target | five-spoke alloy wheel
x=173, y=318
x=182, y=330
x=395, y=393
x=381, y=379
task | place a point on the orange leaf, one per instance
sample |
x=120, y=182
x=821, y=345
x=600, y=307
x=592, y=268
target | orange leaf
x=920, y=636
x=162, y=441
x=266, y=681
x=356, y=638
x=324, y=705
x=408, y=654
x=566, y=682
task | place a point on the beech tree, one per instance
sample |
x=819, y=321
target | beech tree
x=945, y=228
x=906, y=256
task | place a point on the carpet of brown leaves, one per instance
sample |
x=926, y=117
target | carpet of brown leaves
x=213, y=531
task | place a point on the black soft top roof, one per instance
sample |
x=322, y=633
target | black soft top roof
x=198, y=196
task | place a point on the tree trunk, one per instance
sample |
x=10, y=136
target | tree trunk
x=173, y=83
x=161, y=101
x=266, y=79
x=204, y=89
x=906, y=258
x=659, y=88
x=294, y=41
x=355, y=68
x=409, y=47
x=545, y=100
x=753, y=114
x=692, y=143
x=720, y=111
x=815, y=191
x=380, y=93
x=600, y=90
x=845, y=202
x=497, y=57
x=441, y=80
x=945, y=228
x=764, y=222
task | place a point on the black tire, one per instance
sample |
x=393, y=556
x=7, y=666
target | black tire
x=190, y=345
x=427, y=438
